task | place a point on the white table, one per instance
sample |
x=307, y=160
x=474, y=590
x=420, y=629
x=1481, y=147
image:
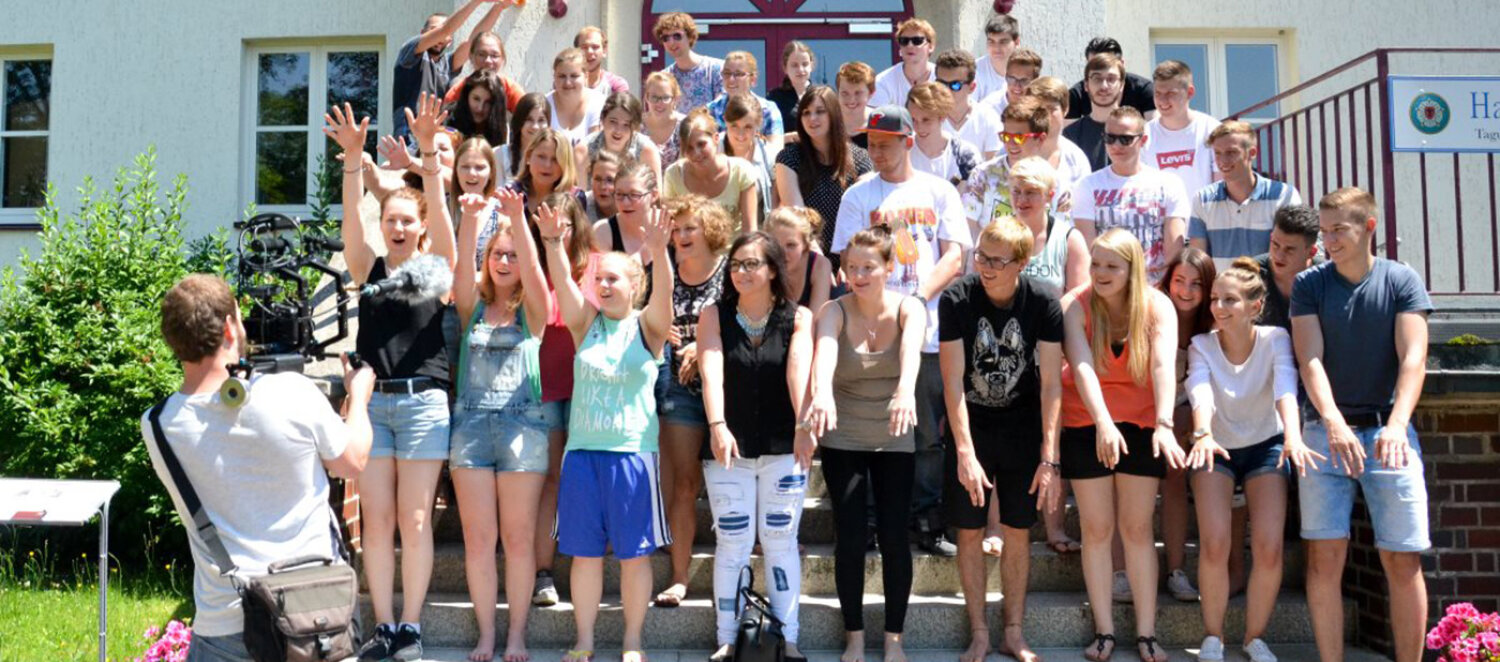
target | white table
x=50, y=502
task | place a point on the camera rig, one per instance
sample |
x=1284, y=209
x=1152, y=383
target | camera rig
x=279, y=260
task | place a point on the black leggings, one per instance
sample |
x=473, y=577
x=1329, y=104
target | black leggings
x=850, y=475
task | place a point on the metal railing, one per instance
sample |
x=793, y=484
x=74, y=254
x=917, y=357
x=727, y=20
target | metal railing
x=1341, y=139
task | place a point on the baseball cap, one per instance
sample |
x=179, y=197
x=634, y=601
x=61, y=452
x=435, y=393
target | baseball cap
x=892, y=120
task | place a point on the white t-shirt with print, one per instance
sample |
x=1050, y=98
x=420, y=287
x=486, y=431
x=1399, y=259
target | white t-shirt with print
x=945, y=164
x=258, y=470
x=981, y=129
x=1184, y=154
x=891, y=86
x=1141, y=203
x=921, y=212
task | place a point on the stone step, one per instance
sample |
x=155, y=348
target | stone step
x=1053, y=620
x=1285, y=652
x=932, y=575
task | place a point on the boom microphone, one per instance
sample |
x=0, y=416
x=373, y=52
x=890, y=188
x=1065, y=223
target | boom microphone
x=418, y=279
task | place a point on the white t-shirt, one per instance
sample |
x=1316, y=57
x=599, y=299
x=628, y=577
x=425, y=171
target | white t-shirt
x=945, y=165
x=1184, y=154
x=981, y=129
x=1072, y=165
x=921, y=211
x=1243, y=397
x=986, y=79
x=891, y=86
x=996, y=100
x=593, y=103
x=1141, y=203
x=258, y=471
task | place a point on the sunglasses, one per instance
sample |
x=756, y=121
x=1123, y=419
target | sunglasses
x=912, y=41
x=955, y=85
x=1019, y=139
x=1121, y=139
x=673, y=36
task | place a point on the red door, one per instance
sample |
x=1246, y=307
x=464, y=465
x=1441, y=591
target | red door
x=838, y=31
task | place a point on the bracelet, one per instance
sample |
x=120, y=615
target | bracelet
x=361, y=168
x=558, y=240
x=804, y=426
x=431, y=153
x=1054, y=465
x=711, y=424
x=1164, y=422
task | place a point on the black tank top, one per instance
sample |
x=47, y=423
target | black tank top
x=806, y=299
x=757, y=402
x=400, y=339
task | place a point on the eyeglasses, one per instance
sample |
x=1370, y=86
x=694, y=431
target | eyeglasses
x=955, y=85
x=986, y=262
x=912, y=41
x=621, y=196
x=509, y=256
x=1017, y=81
x=736, y=74
x=673, y=36
x=746, y=265
x=1098, y=79
x=666, y=98
x=1019, y=139
x=1121, y=139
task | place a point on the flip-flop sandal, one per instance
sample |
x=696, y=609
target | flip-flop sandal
x=1151, y=651
x=669, y=599
x=578, y=656
x=992, y=546
x=633, y=656
x=1097, y=653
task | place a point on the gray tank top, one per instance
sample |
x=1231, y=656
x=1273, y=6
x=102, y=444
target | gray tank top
x=862, y=386
x=1048, y=267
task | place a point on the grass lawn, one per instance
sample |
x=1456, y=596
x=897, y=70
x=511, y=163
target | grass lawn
x=45, y=617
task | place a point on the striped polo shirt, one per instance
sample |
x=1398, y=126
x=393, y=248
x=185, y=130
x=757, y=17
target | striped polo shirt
x=1231, y=228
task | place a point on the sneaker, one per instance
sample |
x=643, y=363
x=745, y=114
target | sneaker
x=1121, y=588
x=936, y=543
x=407, y=644
x=545, y=592
x=1212, y=649
x=378, y=647
x=1258, y=651
x=1180, y=587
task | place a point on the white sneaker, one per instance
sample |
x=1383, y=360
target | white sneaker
x=1121, y=588
x=1212, y=648
x=1180, y=587
x=1259, y=651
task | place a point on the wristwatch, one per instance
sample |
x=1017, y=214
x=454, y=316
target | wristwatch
x=1200, y=433
x=1164, y=422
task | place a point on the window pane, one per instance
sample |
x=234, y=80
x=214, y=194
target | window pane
x=355, y=78
x=25, y=172
x=28, y=86
x=704, y=7
x=1251, y=77
x=832, y=53
x=720, y=47
x=281, y=168
x=1195, y=56
x=335, y=168
x=283, y=89
x=852, y=6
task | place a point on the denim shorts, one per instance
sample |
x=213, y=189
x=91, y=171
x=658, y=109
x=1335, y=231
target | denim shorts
x=1396, y=498
x=1251, y=461
x=228, y=648
x=509, y=439
x=681, y=407
x=410, y=426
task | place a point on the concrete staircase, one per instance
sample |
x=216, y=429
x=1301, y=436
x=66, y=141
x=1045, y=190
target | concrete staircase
x=1057, y=613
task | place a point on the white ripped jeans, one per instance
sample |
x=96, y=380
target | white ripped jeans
x=757, y=496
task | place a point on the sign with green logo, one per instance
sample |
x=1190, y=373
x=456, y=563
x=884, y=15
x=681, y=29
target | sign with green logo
x=1445, y=113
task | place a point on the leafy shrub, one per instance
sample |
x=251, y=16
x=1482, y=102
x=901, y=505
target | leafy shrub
x=81, y=355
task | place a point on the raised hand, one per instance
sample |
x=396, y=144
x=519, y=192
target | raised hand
x=512, y=204
x=658, y=230
x=428, y=120
x=344, y=130
x=471, y=205
x=550, y=222
x=394, y=149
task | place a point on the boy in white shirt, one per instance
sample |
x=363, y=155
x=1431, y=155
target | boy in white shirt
x=916, y=40
x=1001, y=34
x=974, y=123
x=1025, y=66
x=935, y=152
x=1177, y=138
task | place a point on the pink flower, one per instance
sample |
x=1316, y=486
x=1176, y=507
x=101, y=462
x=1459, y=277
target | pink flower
x=1490, y=641
x=1463, y=610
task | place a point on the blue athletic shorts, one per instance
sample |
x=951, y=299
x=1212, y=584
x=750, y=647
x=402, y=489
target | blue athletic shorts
x=610, y=500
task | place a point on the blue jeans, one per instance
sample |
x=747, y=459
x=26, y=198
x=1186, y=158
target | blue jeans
x=1396, y=498
x=228, y=648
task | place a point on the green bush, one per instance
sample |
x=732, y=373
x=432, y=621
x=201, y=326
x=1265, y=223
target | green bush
x=81, y=355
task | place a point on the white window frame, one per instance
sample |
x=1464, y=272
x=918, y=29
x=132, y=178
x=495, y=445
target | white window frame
x=25, y=216
x=1218, y=102
x=317, y=105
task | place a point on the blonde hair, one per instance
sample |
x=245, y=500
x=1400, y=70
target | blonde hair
x=1049, y=89
x=700, y=119
x=1245, y=272
x=568, y=179
x=1034, y=171
x=930, y=97
x=1356, y=203
x=743, y=57
x=662, y=77
x=486, y=283
x=804, y=220
x=1239, y=128
x=633, y=270
x=1011, y=232
x=718, y=227
x=567, y=54
x=1138, y=327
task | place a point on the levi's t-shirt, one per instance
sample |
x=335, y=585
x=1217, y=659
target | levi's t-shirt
x=1184, y=153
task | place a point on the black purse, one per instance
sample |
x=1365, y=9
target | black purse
x=759, y=637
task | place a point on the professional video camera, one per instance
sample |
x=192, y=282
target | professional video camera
x=274, y=253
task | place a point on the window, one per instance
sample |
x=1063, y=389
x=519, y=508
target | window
x=1230, y=73
x=289, y=89
x=24, y=134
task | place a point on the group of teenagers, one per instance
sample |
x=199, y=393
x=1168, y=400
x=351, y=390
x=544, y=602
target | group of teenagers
x=931, y=280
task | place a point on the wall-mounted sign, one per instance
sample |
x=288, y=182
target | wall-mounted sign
x=1445, y=113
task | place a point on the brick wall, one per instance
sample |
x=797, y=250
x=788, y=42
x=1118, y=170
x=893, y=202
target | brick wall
x=1460, y=436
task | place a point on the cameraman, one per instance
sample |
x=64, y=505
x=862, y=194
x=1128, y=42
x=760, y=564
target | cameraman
x=258, y=468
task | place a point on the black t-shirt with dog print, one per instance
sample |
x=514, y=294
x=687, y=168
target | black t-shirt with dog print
x=1001, y=377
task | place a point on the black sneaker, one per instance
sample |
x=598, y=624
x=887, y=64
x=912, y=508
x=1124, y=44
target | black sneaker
x=936, y=543
x=407, y=644
x=378, y=648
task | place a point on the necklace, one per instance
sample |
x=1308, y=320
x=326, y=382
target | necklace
x=754, y=328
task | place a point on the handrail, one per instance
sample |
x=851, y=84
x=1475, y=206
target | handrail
x=1350, y=64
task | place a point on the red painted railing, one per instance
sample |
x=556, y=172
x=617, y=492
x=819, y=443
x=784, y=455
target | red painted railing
x=1341, y=140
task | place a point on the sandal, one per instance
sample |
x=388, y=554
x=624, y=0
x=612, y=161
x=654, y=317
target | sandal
x=1095, y=652
x=992, y=545
x=672, y=597
x=578, y=656
x=633, y=656
x=1151, y=654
